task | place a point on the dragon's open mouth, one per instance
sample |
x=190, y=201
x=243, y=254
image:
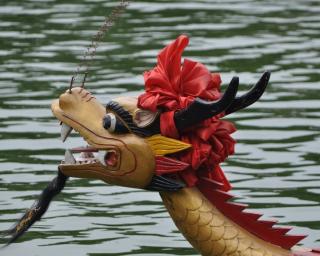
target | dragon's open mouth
x=88, y=155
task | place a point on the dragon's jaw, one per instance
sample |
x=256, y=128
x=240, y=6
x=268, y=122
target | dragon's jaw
x=121, y=159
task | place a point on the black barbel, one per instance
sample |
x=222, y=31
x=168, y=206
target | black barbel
x=160, y=183
x=38, y=208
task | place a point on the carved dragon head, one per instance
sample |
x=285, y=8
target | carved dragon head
x=146, y=142
x=123, y=140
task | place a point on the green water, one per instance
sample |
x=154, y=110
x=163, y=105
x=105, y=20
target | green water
x=276, y=168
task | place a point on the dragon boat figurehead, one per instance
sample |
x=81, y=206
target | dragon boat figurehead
x=126, y=145
x=152, y=142
x=123, y=141
x=113, y=154
x=170, y=139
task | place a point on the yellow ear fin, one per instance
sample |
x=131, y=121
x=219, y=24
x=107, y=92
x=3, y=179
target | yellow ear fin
x=163, y=145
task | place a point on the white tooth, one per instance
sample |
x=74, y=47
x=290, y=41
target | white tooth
x=65, y=131
x=101, y=157
x=68, y=157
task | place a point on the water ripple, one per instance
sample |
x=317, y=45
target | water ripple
x=275, y=169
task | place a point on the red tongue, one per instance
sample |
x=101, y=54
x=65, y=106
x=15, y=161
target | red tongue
x=111, y=158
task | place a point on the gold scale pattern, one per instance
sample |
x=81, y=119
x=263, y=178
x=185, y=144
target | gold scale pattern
x=210, y=232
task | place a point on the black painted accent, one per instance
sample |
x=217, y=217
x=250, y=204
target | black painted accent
x=200, y=110
x=37, y=209
x=160, y=183
x=126, y=117
x=250, y=97
x=106, y=122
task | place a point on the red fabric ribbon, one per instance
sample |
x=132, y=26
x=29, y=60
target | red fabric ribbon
x=172, y=86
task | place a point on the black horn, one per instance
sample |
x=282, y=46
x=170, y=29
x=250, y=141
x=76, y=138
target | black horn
x=251, y=96
x=200, y=110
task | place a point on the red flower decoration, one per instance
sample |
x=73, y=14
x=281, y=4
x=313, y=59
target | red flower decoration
x=173, y=85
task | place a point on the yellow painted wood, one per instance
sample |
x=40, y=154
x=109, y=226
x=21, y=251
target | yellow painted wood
x=209, y=231
x=163, y=145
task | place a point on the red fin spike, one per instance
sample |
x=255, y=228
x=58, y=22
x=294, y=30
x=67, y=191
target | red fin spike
x=165, y=165
x=212, y=183
x=215, y=186
x=237, y=206
x=268, y=223
x=250, y=221
x=306, y=253
x=225, y=196
x=282, y=230
x=254, y=216
x=289, y=241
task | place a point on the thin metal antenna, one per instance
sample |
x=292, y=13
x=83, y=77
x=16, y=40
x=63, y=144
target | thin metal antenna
x=84, y=79
x=108, y=23
x=71, y=83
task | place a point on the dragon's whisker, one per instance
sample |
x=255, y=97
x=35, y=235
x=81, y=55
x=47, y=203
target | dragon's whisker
x=71, y=84
x=37, y=209
x=84, y=79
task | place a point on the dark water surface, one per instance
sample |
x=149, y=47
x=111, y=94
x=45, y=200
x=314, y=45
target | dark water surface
x=276, y=168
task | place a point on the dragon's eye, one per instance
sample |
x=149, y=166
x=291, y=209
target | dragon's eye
x=109, y=122
x=114, y=124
